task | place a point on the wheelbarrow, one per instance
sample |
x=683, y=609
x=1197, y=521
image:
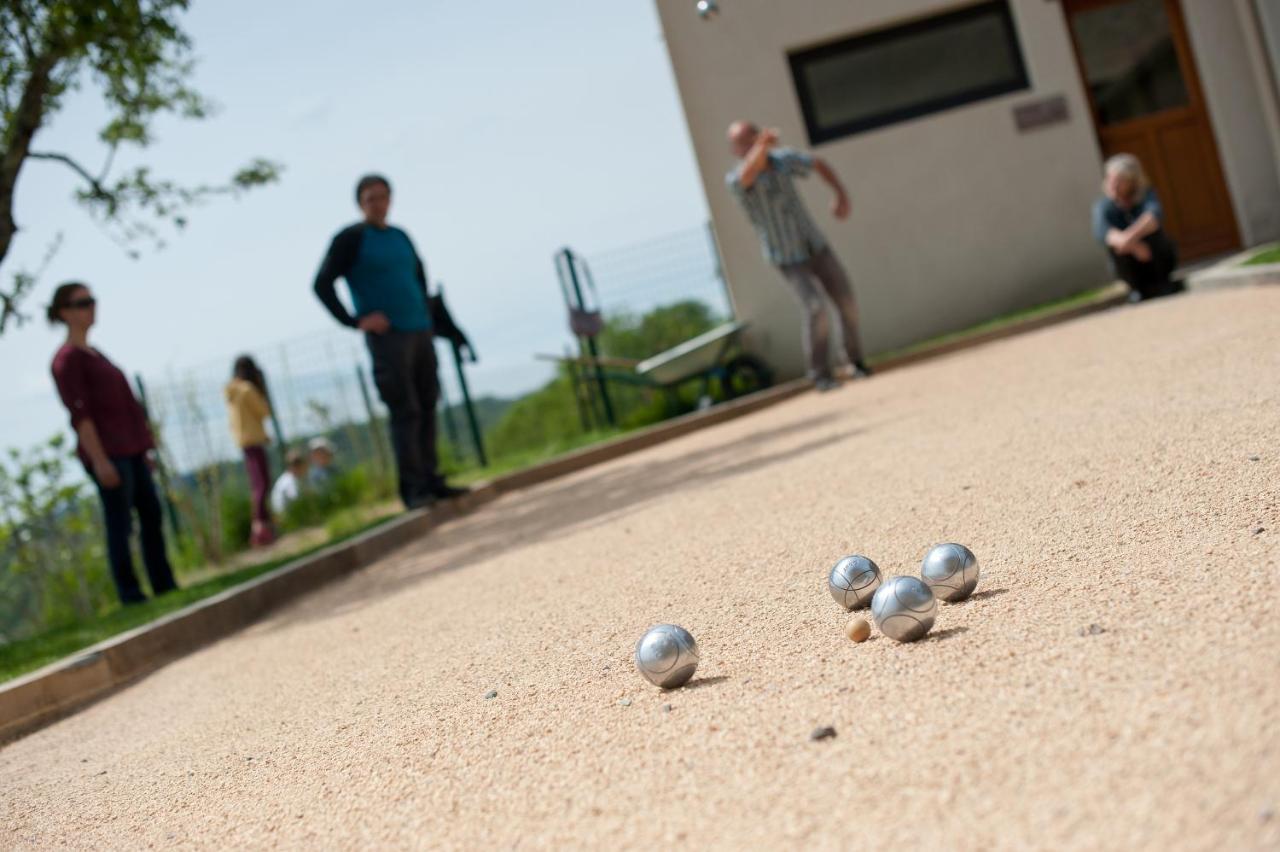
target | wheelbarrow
x=705, y=357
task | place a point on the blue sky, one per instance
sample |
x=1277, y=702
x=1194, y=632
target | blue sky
x=508, y=130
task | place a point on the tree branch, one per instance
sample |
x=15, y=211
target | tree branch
x=20, y=36
x=23, y=283
x=26, y=121
x=24, y=26
x=106, y=166
x=98, y=189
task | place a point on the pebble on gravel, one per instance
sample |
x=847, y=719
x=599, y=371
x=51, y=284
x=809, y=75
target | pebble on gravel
x=626, y=702
x=1092, y=630
x=1254, y=458
x=1259, y=530
x=493, y=693
x=826, y=732
x=857, y=629
x=666, y=708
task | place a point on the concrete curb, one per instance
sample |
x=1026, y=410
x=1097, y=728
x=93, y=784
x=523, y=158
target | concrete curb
x=34, y=700
x=37, y=699
x=1232, y=272
x=1112, y=296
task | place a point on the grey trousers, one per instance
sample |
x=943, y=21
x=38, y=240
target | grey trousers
x=825, y=270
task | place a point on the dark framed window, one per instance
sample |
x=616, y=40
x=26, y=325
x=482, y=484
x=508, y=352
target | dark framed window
x=880, y=78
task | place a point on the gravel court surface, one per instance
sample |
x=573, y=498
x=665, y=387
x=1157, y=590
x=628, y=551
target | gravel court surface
x=1112, y=684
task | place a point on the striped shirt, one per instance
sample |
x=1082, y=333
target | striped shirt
x=787, y=234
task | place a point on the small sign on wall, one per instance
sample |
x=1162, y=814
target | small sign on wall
x=1041, y=113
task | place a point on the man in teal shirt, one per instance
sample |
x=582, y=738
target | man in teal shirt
x=388, y=286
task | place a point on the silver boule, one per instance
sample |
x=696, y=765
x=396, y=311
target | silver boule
x=853, y=581
x=904, y=608
x=667, y=655
x=951, y=570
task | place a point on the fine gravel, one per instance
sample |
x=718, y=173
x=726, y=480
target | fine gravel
x=1114, y=683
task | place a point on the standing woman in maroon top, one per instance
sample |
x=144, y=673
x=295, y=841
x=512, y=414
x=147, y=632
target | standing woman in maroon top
x=114, y=440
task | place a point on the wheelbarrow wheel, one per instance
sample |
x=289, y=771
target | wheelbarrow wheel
x=743, y=375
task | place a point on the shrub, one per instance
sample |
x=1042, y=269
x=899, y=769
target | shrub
x=51, y=542
x=237, y=520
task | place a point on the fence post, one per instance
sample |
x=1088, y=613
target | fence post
x=162, y=473
x=476, y=437
x=446, y=414
x=281, y=447
x=715, y=257
x=293, y=396
x=379, y=439
x=571, y=267
x=571, y=368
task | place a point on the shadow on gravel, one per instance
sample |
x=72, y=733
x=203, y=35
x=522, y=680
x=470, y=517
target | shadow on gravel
x=583, y=500
x=948, y=633
x=699, y=683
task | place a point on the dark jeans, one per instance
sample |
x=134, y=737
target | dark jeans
x=404, y=370
x=1149, y=279
x=135, y=493
x=822, y=275
x=259, y=471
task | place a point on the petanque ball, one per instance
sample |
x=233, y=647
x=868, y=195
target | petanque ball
x=903, y=608
x=951, y=570
x=853, y=581
x=667, y=655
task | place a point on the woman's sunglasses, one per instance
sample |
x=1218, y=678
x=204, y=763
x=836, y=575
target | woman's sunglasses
x=81, y=304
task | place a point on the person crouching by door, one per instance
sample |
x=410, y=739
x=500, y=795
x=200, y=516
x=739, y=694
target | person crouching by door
x=1129, y=221
x=248, y=408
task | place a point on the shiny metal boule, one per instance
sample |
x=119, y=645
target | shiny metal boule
x=667, y=655
x=853, y=581
x=951, y=570
x=904, y=608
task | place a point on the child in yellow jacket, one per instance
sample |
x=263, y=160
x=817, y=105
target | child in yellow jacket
x=248, y=408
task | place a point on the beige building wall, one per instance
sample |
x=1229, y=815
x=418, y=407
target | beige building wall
x=957, y=216
x=1223, y=35
x=1262, y=22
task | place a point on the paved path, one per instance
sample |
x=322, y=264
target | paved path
x=1112, y=471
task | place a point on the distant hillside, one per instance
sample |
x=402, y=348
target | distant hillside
x=489, y=410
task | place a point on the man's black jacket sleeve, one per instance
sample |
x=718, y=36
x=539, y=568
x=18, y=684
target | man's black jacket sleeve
x=341, y=256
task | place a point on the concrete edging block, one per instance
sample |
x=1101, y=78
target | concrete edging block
x=31, y=701
x=1233, y=272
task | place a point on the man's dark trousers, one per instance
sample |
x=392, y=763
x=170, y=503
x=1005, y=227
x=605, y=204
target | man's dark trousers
x=404, y=370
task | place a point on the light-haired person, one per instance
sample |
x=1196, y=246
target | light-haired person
x=323, y=472
x=291, y=484
x=1129, y=221
x=764, y=183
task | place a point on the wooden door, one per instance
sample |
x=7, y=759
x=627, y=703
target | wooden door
x=1140, y=77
